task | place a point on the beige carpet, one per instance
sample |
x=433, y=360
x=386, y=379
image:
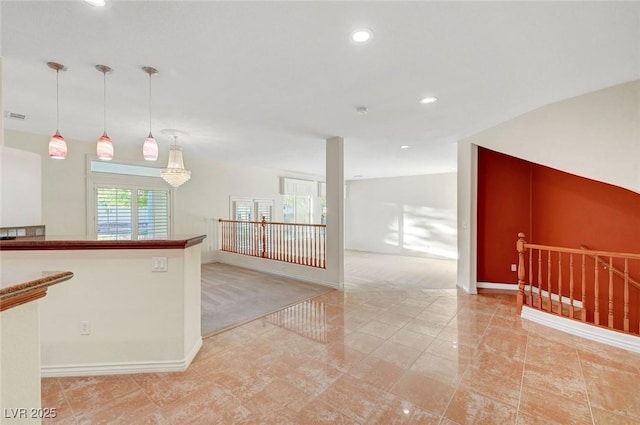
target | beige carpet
x=232, y=295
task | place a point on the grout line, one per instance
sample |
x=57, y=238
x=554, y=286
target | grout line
x=475, y=351
x=524, y=366
x=586, y=391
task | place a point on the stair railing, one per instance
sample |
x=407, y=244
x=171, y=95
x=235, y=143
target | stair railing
x=296, y=243
x=580, y=284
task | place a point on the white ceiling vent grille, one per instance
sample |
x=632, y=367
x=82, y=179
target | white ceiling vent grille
x=15, y=115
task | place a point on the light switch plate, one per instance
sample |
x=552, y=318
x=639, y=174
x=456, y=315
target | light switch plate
x=159, y=264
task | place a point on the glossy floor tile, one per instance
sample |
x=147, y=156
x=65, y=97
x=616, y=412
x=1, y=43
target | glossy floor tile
x=373, y=355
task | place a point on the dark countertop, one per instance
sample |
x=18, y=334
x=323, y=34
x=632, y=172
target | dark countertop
x=61, y=243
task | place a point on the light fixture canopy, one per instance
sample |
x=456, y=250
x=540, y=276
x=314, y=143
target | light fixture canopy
x=150, y=146
x=57, y=144
x=175, y=173
x=104, y=148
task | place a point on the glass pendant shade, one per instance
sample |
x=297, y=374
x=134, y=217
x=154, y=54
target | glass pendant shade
x=150, y=148
x=57, y=147
x=175, y=174
x=104, y=148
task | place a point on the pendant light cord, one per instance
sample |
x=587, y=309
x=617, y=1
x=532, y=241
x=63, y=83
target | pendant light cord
x=104, y=85
x=57, y=102
x=149, y=103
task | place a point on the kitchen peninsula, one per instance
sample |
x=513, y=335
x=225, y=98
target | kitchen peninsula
x=134, y=306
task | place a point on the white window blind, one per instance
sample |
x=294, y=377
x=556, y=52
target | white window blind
x=113, y=213
x=125, y=213
x=265, y=209
x=243, y=210
x=153, y=214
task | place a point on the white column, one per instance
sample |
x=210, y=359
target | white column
x=467, y=216
x=335, y=210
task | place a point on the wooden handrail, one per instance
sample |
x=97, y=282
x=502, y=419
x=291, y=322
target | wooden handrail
x=600, y=302
x=616, y=271
x=583, y=251
x=271, y=222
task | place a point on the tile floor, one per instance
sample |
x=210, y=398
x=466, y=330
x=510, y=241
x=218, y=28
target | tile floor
x=383, y=356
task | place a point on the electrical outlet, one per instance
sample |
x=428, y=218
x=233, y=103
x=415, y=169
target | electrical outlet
x=85, y=327
x=514, y=267
x=159, y=264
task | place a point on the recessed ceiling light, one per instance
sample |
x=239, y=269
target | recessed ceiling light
x=404, y=147
x=428, y=99
x=97, y=3
x=362, y=35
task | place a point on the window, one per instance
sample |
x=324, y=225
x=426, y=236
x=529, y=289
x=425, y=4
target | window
x=247, y=209
x=124, y=213
x=323, y=210
x=127, y=202
x=296, y=200
x=297, y=208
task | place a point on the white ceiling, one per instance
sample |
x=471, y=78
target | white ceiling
x=267, y=82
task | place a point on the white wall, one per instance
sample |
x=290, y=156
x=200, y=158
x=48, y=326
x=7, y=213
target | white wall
x=414, y=215
x=20, y=188
x=596, y=135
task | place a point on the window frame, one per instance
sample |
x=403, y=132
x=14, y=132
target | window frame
x=97, y=179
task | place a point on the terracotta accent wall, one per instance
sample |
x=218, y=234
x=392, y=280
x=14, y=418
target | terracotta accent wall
x=551, y=207
x=571, y=211
x=504, y=209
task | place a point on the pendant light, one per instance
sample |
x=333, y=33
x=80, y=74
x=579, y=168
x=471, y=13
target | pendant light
x=57, y=145
x=104, y=147
x=175, y=174
x=150, y=146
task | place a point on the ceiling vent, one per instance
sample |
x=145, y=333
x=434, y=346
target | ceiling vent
x=15, y=115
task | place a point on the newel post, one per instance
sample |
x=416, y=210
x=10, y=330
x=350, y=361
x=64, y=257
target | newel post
x=521, y=271
x=263, y=223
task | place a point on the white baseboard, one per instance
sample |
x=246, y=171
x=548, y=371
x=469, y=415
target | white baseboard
x=58, y=371
x=504, y=286
x=591, y=332
x=514, y=287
